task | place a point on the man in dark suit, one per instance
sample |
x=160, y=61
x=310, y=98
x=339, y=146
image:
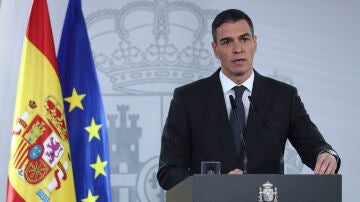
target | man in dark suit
x=200, y=124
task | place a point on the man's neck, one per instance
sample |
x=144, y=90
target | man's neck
x=239, y=79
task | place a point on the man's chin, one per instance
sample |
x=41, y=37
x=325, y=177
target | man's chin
x=237, y=71
x=242, y=70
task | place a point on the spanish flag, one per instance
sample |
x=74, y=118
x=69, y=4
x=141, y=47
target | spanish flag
x=40, y=167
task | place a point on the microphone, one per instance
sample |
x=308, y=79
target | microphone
x=255, y=109
x=234, y=107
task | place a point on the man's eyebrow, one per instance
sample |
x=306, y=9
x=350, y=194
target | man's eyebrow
x=231, y=38
x=245, y=35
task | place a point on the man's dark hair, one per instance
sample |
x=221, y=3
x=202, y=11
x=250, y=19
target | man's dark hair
x=230, y=15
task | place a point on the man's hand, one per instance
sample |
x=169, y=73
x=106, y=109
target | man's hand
x=325, y=164
x=236, y=172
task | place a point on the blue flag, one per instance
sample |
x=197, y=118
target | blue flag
x=85, y=115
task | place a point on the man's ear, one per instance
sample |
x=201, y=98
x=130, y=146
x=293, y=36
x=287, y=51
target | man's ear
x=255, y=41
x=214, y=47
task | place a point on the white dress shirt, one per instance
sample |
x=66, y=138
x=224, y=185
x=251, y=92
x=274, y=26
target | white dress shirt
x=227, y=86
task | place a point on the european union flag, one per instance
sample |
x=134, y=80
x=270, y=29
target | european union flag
x=85, y=115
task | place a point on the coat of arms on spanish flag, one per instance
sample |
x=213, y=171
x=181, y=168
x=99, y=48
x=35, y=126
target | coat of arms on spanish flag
x=40, y=166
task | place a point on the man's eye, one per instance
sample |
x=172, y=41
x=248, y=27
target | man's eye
x=245, y=39
x=226, y=43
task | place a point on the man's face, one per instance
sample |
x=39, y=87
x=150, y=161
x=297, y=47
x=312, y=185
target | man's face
x=235, y=47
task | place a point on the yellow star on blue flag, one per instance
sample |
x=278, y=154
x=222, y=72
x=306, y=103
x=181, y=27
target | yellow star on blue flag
x=99, y=167
x=93, y=130
x=75, y=100
x=90, y=197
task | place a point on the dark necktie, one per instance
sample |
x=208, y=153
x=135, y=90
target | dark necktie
x=238, y=131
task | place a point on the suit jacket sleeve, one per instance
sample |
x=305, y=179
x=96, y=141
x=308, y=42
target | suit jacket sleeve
x=305, y=136
x=175, y=145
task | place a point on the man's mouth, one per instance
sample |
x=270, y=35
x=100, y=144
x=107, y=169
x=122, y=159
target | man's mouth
x=239, y=61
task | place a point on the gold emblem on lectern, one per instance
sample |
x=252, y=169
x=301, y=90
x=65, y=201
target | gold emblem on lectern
x=267, y=193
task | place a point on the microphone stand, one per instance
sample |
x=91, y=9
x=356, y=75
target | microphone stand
x=234, y=107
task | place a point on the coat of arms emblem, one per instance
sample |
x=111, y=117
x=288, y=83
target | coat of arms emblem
x=39, y=151
x=267, y=193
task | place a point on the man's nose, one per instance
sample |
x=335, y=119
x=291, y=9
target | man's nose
x=238, y=47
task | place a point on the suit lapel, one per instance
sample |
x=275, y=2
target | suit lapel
x=218, y=115
x=260, y=103
x=260, y=94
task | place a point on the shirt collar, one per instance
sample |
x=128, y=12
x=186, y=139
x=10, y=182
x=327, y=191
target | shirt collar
x=227, y=84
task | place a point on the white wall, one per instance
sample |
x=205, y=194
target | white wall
x=313, y=45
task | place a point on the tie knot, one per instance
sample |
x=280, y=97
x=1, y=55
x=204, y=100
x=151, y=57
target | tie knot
x=239, y=90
